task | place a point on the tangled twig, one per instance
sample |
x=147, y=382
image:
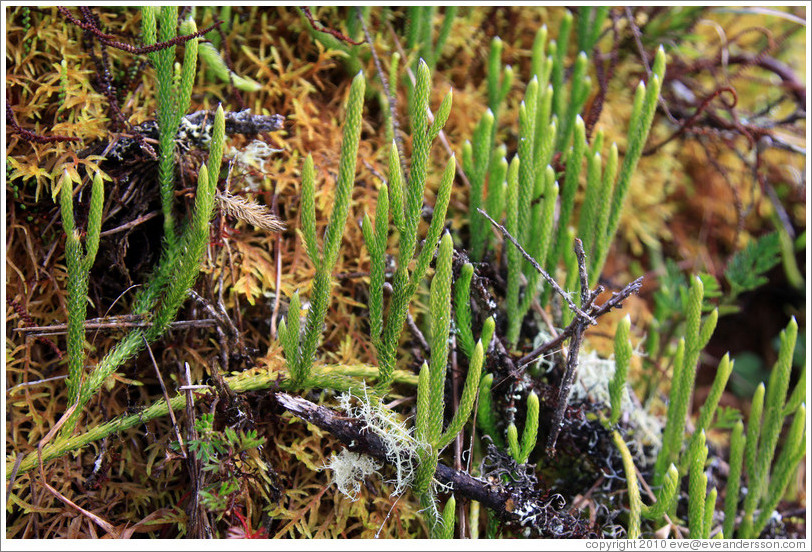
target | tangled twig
x=579, y=325
x=689, y=122
x=322, y=29
x=111, y=40
x=29, y=136
x=532, y=261
x=614, y=302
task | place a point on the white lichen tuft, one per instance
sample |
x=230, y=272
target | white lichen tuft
x=398, y=439
x=592, y=382
x=255, y=155
x=350, y=469
x=545, y=363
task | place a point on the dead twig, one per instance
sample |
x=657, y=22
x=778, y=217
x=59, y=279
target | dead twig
x=13, y=476
x=26, y=319
x=540, y=270
x=688, y=123
x=111, y=40
x=197, y=526
x=115, y=323
x=277, y=251
x=507, y=503
x=391, y=99
x=614, y=302
x=11, y=390
x=322, y=29
x=29, y=136
x=580, y=324
x=131, y=224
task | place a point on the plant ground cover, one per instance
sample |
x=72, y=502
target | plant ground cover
x=713, y=220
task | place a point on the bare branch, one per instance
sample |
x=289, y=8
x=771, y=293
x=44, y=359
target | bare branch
x=540, y=270
x=507, y=504
x=579, y=325
x=391, y=98
x=614, y=302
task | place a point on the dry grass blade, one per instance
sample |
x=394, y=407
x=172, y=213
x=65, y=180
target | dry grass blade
x=14, y=471
x=248, y=211
x=90, y=515
x=166, y=398
x=129, y=531
x=23, y=385
x=113, y=324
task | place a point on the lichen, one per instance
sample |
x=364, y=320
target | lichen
x=592, y=383
x=398, y=439
x=349, y=470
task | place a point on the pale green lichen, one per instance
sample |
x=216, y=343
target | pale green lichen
x=592, y=383
x=398, y=439
x=349, y=470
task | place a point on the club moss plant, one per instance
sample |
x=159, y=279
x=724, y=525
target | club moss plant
x=179, y=265
x=685, y=455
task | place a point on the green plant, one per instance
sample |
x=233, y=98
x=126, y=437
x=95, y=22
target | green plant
x=79, y=261
x=173, y=102
x=522, y=452
x=449, y=512
x=745, y=271
x=462, y=314
x=486, y=420
x=755, y=451
x=590, y=22
x=300, y=349
x=420, y=30
x=480, y=160
x=416, y=453
x=682, y=382
x=668, y=490
x=338, y=377
x=644, y=106
x=666, y=498
x=552, y=148
x=215, y=63
x=219, y=453
x=766, y=483
x=677, y=23
x=403, y=202
x=404, y=207
x=486, y=412
x=431, y=390
x=179, y=265
x=549, y=123
x=623, y=354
